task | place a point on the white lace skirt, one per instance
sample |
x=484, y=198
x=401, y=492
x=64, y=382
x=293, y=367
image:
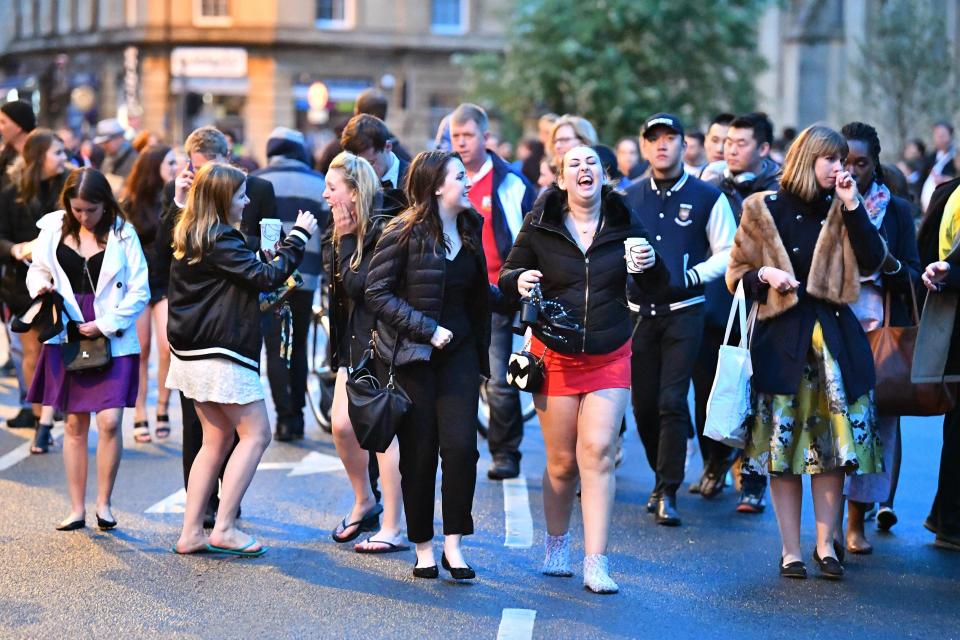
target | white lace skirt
x=214, y=380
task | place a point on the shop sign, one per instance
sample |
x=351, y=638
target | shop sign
x=208, y=62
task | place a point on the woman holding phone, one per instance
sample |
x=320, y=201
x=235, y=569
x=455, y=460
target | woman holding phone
x=573, y=245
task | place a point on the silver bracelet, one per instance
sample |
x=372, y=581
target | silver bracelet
x=760, y=275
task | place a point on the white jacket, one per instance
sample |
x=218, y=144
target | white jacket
x=122, y=289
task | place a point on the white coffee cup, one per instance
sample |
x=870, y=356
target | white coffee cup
x=270, y=229
x=632, y=247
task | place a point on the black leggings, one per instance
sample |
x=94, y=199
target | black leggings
x=443, y=421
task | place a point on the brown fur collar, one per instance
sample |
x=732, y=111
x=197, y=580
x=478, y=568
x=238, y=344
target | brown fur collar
x=834, y=272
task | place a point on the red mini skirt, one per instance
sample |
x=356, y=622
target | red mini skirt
x=571, y=375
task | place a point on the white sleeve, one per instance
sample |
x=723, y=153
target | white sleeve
x=721, y=227
x=137, y=294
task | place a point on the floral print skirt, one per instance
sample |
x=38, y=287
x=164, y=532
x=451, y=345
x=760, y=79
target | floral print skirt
x=817, y=430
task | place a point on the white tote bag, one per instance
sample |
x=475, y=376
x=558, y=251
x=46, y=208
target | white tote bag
x=728, y=407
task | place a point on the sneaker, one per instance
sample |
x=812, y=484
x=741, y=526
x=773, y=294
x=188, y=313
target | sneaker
x=556, y=559
x=596, y=574
x=23, y=420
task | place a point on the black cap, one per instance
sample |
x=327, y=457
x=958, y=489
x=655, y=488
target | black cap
x=21, y=113
x=662, y=120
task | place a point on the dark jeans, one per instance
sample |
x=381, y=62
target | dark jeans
x=945, y=512
x=193, y=440
x=665, y=349
x=716, y=455
x=289, y=386
x=505, y=431
x=445, y=393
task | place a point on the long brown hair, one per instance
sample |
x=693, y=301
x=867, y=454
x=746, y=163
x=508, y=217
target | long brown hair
x=90, y=185
x=142, y=190
x=362, y=180
x=816, y=141
x=27, y=173
x=426, y=174
x=208, y=203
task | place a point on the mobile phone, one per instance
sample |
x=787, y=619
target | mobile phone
x=190, y=164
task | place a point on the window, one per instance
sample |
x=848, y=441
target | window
x=211, y=13
x=448, y=16
x=334, y=14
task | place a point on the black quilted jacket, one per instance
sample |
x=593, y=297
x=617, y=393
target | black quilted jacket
x=405, y=292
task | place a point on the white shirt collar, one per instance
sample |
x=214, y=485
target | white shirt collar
x=486, y=168
x=393, y=173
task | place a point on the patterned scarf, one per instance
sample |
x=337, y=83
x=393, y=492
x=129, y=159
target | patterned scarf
x=876, y=202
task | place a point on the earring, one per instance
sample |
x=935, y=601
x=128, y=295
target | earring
x=439, y=193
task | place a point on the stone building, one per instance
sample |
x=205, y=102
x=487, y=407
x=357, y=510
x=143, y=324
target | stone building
x=245, y=65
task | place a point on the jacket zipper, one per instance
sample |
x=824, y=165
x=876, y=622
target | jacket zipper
x=586, y=284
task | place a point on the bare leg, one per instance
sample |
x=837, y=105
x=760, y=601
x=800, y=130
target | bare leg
x=163, y=355
x=355, y=459
x=392, y=525
x=218, y=435
x=787, y=494
x=253, y=427
x=856, y=536
x=143, y=333
x=558, y=421
x=827, y=489
x=109, y=450
x=75, y=462
x=597, y=429
x=31, y=355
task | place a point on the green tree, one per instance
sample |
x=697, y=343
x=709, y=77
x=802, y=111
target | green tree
x=617, y=61
x=905, y=75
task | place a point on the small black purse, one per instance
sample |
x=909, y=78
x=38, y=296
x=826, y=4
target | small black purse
x=525, y=370
x=81, y=353
x=375, y=412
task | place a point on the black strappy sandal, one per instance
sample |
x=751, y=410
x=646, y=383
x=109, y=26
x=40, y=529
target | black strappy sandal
x=42, y=439
x=163, y=426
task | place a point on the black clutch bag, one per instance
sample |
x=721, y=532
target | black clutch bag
x=525, y=370
x=375, y=411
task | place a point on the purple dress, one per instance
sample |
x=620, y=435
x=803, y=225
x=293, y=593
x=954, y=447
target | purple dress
x=88, y=391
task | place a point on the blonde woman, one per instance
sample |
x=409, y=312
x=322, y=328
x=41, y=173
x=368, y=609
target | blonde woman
x=801, y=253
x=352, y=192
x=214, y=335
x=568, y=132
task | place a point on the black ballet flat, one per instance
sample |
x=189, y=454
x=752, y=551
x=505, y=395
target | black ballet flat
x=72, y=526
x=428, y=573
x=458, y=573
x=104, y=524
x=796, y=570
x=830, y=568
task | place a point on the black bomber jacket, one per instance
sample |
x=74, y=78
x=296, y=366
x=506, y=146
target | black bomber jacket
x=214, y=308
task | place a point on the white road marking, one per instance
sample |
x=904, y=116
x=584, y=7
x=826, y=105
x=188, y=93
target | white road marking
x=316, y=462
x=516, y=624
x=516, y=507
x=175, y=503
x=22, y=452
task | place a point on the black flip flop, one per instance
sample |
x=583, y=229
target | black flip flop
x=391, y=548
x=369, y=522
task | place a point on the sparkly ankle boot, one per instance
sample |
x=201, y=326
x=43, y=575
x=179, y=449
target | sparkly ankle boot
x=556, y=560
x=596, y=576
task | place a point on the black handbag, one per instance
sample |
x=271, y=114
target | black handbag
x=375, y=411
x=525, y=370
x=82, y=353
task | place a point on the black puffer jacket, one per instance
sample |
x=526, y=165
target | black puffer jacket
x=351, y=322
x=18, y=223
x=214, y=307
x=405, y=291
x=594, y=284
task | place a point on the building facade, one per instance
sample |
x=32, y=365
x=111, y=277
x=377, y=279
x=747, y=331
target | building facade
x=244, y=65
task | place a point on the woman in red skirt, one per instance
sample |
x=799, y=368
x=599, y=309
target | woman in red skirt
x=572, y=245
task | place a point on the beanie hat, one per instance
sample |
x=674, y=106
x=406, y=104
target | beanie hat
x=287, y=143
x=21, y=113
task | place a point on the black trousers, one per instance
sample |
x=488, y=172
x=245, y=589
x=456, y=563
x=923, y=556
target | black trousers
x=715, y=454
x=289, y=386
x=945, y=512
x=445, y=393
x=665, y=349
x=505, y=431
x=193, y=440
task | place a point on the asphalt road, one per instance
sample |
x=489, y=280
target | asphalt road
x=714, y=577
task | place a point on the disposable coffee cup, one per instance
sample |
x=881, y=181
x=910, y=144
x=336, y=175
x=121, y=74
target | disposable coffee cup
x=270, y=229
x=632, y=248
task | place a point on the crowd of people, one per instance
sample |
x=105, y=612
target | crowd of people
x=630, y=254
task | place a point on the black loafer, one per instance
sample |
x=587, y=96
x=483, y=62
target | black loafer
x=428, y=573
x=652, y=502
x=830, y=568
x=458, y=573
x=666, y=513
x=503, y=468
x=796, y=570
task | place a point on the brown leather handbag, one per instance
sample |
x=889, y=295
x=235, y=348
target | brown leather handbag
x=893, y=349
